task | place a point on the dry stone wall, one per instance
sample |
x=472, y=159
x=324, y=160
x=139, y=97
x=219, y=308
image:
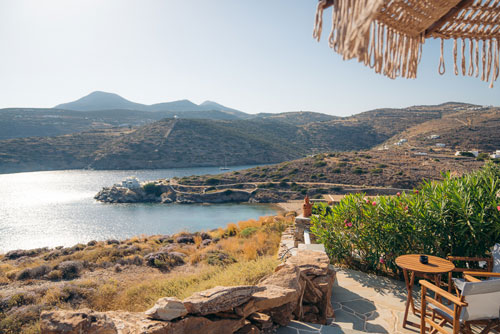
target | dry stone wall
x=300, y=288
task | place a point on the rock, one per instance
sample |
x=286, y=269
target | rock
x=206, y=242
x=92, y=243
x=168, y=308
x=115, y=322
x=311, y=294
x=311, y=262
x=286, y=276
x=205, y=236
x=248, y=329
x=185, y=239
x=112, y=242
x=269, y=297
x=165, y=238
x=282, y=315
x=85, y=321
x=164, y=260
x=261, y=320
x=219, y=299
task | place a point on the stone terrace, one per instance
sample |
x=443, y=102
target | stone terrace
x=363, y=303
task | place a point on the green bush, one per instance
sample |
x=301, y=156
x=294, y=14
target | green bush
x=152, y=189
x=358, y=170
x=248, y=231
x=212, y=181
x=458, y=216
x=319, y=163
x=467, y=154
x=483, y=156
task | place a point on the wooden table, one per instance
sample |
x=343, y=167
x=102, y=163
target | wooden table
x=432, y=270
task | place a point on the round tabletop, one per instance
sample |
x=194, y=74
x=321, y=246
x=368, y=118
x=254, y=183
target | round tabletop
x=436, y=264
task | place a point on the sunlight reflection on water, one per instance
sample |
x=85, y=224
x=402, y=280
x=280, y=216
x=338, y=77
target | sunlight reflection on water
x=57, y=208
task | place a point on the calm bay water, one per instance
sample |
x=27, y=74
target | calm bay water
x=57, y=208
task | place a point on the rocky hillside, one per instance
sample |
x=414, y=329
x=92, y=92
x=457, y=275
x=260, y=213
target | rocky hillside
x=180, y=142
x=468, y=128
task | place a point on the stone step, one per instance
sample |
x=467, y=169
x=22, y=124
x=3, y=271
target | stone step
x=298, y=327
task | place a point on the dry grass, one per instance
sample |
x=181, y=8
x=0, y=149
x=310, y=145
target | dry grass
x=240, y=254
x=112, y=296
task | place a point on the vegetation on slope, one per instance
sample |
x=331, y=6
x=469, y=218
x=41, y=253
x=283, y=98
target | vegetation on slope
x=132, y=274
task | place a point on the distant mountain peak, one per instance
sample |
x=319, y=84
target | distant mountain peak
x=99, y=100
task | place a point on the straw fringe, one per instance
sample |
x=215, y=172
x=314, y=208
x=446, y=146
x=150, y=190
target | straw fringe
x=483, y=57
x=387, y=35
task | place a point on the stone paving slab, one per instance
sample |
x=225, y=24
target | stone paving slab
x=297, y=327
x=363, y=303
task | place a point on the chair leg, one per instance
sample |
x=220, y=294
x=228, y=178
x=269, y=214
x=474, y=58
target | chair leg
x=488, y=327
x=466, y=329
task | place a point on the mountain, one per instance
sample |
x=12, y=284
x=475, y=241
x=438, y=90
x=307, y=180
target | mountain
x=216, y=106
x=101, y=101
x=185, y=142
x=96, y=101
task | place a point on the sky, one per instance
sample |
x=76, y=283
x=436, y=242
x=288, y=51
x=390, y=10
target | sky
x=255, y=56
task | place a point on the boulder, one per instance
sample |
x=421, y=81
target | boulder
x=286, y=276
x=115, y=322
x=248, y=329
x=206, y=242
x=311, y=262
x=185, y=239
x=168, y=308
x=84, y=321
x=269, y=297
x=164, y=259
x=219, y=299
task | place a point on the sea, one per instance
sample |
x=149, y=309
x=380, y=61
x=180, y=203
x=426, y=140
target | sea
x=57, y=208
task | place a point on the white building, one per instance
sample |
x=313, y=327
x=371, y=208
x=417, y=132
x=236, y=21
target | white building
x=440, y=145
x=496, y=155
x=434, y=136
x=131, y=182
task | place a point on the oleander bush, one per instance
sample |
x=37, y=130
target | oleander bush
x=456, y=216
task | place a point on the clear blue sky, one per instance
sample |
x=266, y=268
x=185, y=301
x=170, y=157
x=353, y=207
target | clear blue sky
x=256, y=56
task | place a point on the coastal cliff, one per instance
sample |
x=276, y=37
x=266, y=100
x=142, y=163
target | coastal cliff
x=163, y=192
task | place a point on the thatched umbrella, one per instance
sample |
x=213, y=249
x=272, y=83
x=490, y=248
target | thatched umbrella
x=387, y=35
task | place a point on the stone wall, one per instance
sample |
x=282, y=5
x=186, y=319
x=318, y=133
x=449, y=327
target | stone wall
x=300, y=288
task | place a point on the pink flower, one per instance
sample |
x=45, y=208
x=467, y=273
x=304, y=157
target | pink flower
x=406, y=208
x=398, y=194
x=382, y=260
x=374, y=203
x=416, y=191
x=498, y=208
x=348, y=223
x=367, y=201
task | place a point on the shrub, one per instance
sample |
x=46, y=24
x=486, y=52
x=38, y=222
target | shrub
x=457, y=216
x=376, y=171
x=152, y=189
x=467, y=154
x=246, y=232
x=381, y=165
x=218, y=258
x=319, y=163
x=358, y=170
x=336, y=170
x=483, y=156
x=212, y=181
x=32, y=273
x=70, y=269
